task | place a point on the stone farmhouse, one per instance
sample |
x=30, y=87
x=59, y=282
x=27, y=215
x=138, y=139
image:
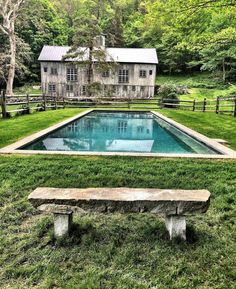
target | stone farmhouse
x=133, y=75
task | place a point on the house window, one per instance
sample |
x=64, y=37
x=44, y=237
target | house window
x=125, y=88
x=72, y=74
x=123, y=76
x=53, y=71
x=83, y=90
x=142, y=73
x=122, y=126
x=150, y=72
x=106, y=73
x=140, y=129
x=133, y=88
x=69, y=88
x=142, y=88
x=52, y=87
x=45, y=69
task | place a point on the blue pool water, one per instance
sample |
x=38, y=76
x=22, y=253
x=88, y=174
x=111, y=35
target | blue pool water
x=103, y=131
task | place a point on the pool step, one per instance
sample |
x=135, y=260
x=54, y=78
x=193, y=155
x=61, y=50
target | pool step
x=221, y=141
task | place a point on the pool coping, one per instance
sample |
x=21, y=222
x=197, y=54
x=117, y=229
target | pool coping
x=227, y=153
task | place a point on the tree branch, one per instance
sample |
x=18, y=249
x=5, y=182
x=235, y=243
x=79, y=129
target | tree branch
x=3, y=30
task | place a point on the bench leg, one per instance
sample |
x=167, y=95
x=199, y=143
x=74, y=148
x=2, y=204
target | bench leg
x=176, y=226
x=62, y=224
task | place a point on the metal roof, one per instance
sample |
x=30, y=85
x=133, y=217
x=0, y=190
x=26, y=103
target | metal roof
x=122, y=55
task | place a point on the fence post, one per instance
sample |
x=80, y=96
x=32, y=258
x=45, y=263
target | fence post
x=217, y=104
x=44, y=102
x=28, y=103
x=235, y=106
x=194, y=103
x=3, y=104
x=204, y=105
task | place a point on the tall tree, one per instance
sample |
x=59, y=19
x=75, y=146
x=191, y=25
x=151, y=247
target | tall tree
x=88, y=28
x=9, y=10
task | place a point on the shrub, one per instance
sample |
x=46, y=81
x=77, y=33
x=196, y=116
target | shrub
x=171, y=92
x=25, y=110
x=166, y=89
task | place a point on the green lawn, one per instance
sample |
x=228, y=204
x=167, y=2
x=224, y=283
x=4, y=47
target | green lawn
x=31, y=88
x=200, y=86
x=16, y=128
x=209, y=124
x=112, y=250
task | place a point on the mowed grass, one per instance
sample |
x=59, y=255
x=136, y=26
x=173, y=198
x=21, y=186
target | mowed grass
x=201, y=85
x=112, y=250
x=210, y=124
x=16, y=128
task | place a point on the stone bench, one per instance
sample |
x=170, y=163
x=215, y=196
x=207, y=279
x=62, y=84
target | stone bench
x=174, y=205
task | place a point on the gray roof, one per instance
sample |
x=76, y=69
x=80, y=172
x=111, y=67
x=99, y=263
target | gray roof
x=122, y=55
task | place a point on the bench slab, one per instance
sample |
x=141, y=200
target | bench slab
x=124, y=200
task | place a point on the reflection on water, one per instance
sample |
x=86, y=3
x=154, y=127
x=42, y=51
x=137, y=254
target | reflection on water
x=120, y=132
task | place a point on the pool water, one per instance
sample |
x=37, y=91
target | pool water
x=103, y=131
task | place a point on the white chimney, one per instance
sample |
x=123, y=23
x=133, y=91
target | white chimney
x=100, y=41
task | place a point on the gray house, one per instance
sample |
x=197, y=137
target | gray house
x=133, y=75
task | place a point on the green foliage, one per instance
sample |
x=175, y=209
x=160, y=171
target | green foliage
x=24, y=109
x=191, y=35
x=165, y=90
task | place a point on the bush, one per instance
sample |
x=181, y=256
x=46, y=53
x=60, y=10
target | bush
x=25, y=110
x=166, y=89
x=171, y=92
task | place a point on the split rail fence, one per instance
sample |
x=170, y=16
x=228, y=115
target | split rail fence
x=23, y=104
x=219, y=105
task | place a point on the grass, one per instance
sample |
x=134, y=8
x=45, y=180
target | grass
x=28, y=88
x=16, y=128
x=200, y=86
x=209, y=124
x=113, y=250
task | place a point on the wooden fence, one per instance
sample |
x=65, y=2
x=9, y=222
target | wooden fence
x=23, y=104
x=26, y=103
x=219, y=105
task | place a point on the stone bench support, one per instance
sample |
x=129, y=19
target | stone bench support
x=176, y=226
x=173, y=205
x=62, y=224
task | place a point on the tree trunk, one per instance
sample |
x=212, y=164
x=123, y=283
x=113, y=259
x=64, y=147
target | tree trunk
x=12, y=65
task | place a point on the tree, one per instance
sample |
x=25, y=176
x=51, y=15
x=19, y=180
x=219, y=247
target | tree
x=88, y=28
x=9, y=10
x=39, y=24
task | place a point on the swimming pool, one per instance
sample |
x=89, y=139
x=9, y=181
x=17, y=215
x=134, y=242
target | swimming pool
x=124, y=133
x=107, y=131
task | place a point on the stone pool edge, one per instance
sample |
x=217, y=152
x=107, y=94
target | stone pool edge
x=227, y=153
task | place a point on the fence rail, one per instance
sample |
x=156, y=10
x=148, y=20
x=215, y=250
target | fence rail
x=42, y=102
x=219, y=105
